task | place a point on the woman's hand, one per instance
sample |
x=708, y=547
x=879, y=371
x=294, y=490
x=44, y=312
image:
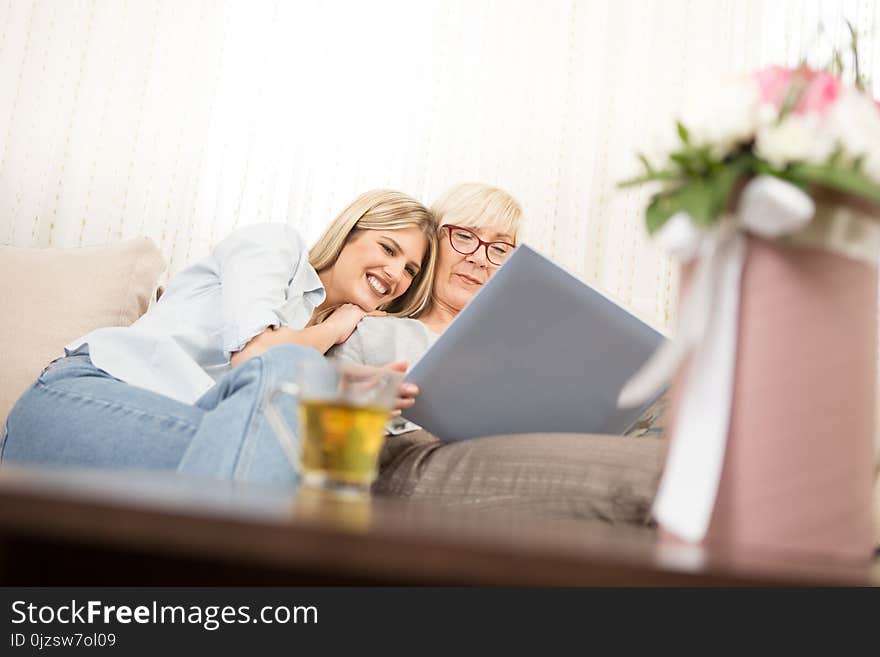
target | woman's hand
x=345, y=319
x=407, y=393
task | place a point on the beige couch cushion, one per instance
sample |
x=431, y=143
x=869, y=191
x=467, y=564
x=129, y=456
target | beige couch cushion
x=53, y=296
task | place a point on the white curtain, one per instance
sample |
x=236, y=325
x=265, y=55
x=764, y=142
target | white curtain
x=183, y=119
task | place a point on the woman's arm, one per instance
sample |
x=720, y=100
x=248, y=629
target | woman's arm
x=332, y=331
x=321, y=337
x=256, y=266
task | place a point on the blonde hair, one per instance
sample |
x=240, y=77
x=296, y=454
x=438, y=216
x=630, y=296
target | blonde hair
x=477, y=205
x=383, y=209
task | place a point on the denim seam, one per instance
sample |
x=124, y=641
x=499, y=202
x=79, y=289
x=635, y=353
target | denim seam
x=125, y=407
x=48, y=366
x=245, y=451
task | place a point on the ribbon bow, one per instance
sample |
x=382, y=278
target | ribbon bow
x=707, y=325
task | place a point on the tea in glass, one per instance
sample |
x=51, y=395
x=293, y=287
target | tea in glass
x=342, y=411
x=340, y=440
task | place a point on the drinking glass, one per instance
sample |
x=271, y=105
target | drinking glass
x=342, y=411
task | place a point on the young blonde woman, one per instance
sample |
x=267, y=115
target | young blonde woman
x=610, y=478
x=181, y=388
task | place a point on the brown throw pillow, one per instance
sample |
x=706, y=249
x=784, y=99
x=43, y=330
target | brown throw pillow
x=53, y=296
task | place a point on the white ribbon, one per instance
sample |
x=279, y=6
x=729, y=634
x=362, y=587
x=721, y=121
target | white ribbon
x=707, y=328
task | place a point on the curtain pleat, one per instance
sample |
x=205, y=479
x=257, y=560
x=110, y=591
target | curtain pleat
x=182, y=120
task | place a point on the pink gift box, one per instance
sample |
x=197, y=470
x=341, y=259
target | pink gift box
x=799, y=464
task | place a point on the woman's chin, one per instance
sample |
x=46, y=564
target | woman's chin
x=463, y=298
x=369, y=301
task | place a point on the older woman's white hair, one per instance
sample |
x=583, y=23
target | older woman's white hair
x=476, y=205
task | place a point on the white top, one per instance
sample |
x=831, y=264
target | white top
x=257, y=277
x=378, y=341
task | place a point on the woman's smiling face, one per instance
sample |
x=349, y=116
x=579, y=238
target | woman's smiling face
x=376, y=266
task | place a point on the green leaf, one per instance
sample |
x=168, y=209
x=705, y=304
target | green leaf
x=836, y=66
x=836, y=157
x=698, y=200
x=658, y=211
x=695, y=161
x=703, y=198
x=695, y=198
x=726, y=179
x=690, y=162
x=793, y=95
x=655, y=176
x=854, y=48
x=684, y=160
x=683, y=133
x=644, y=160
x=846, y=180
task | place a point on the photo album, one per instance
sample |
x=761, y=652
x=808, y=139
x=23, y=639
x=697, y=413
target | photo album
x=536, y=350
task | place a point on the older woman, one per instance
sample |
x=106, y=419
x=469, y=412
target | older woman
x=610, y=478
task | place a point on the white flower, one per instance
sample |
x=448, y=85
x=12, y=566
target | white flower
x=660, y=145
x=798, y=138
x=723, y=118
x=766, y=115
x=854, y=125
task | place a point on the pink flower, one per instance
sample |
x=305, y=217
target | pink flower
x=821, y=93
x=820, y=89
x=773, y=84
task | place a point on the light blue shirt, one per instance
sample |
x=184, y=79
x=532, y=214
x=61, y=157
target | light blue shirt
x=257, y=277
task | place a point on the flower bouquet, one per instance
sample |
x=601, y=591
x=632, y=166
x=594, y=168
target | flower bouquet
x=769, y=198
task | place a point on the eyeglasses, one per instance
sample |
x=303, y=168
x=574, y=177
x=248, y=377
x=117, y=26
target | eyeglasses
x=466, y=242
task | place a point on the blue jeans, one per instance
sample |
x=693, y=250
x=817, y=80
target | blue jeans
x=78, y=415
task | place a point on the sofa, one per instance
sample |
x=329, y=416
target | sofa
x=52, y=296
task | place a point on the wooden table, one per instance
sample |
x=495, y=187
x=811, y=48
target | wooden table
x=84, y=528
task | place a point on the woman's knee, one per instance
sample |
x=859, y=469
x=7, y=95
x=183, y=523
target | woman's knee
x=282, y=363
